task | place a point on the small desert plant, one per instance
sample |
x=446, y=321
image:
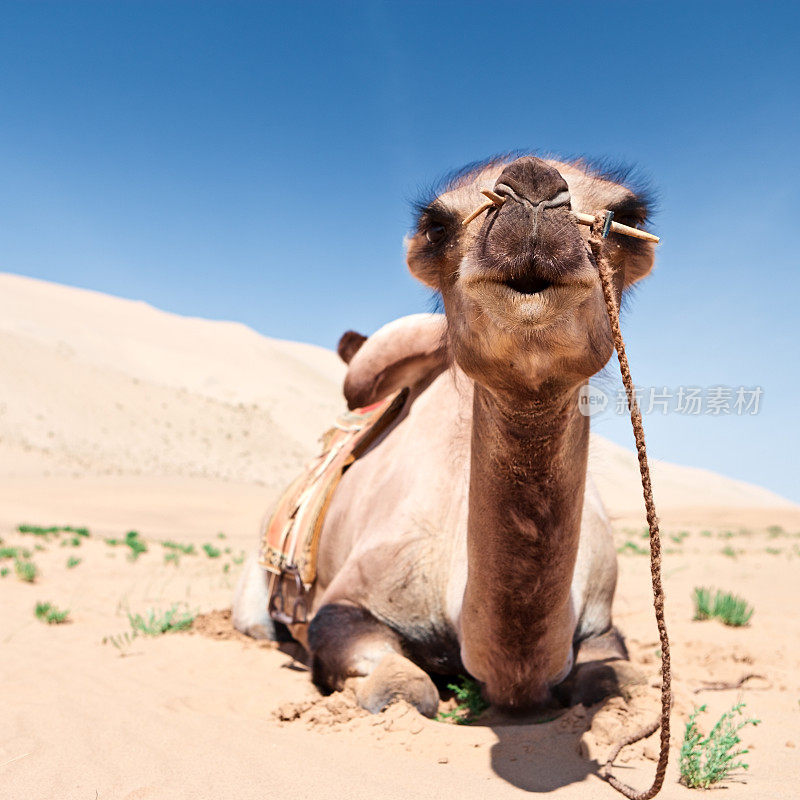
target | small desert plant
x=157, y=622
x=728, y=551
x=39, y=530
x=221, y=535
x=470, y=702
x=51, y=530
x=26, y=570
x=775, y=530
x=173, y=557
x=122, y=642
x=133, y=541
x=211, y=551
x=4, y=571
x=632, y=547
x=184, y=549
x=708, y=760
x=724, y=606
x=136, y=544
x=73, y=562
x=679, y=536
x=52, y=615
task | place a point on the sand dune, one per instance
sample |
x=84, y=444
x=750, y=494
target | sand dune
x=117, y=416
x=98, y=385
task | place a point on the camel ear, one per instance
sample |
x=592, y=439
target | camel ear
x=637, y=259
x=420, y=264
x=403, y=353
x=593, y=191
x=349, y=344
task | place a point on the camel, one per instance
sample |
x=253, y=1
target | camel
x=469, y=538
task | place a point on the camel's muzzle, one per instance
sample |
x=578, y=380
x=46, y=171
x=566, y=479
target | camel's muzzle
x=530, y=241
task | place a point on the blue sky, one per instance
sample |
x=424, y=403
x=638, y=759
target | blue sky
x=255, y=161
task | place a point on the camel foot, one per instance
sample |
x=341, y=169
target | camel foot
x=397, y=678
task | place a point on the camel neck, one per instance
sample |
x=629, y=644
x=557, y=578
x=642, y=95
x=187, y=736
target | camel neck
x=528, y=472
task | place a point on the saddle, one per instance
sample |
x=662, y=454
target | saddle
x=290, y=540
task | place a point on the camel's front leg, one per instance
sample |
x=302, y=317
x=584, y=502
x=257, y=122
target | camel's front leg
x=347, y=642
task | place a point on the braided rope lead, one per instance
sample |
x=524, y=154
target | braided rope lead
x=597, y=245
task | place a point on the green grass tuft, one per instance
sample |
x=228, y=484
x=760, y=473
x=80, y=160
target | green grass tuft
x=51, y=530
x=211, y=551
x=133, y=541
x=52, y=615
x=122, y=642
x=173, y=557
x=711, y=759
x=73, y=562
x=728, y=551
x=184, y=549
x=724, y=606
x=136, y=544
x=156, y=623
x=4, y=571
x=632, y=547
x=26, y=570
x=470, y=702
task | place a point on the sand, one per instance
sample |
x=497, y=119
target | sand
x=118, y=417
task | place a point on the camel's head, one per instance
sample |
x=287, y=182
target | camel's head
x=520, y=288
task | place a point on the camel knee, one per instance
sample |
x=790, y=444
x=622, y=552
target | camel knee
x=602, y=669
x=347, y=643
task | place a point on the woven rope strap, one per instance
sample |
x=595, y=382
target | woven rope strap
x=597, y=243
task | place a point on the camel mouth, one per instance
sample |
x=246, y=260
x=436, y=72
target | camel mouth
x=526, y=301
x=527, y=284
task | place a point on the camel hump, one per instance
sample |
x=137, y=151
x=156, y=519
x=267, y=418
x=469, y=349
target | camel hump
x=402, y=353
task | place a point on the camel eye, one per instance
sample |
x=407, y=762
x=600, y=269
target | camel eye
x=435, y=234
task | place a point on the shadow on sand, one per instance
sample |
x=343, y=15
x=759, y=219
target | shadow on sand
x=538, y=752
